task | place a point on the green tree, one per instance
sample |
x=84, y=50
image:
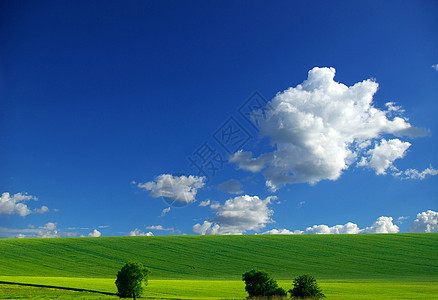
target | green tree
x=260, y=284
x=305, y=286
x=131, y=279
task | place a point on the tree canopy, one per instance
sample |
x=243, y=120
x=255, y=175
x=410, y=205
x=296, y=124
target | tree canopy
x=131, y=279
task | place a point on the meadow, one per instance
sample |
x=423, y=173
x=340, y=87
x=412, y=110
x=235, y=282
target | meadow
x=386, y=266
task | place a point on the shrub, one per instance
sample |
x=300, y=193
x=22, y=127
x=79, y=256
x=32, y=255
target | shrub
x=305, y=286
x=260, y=284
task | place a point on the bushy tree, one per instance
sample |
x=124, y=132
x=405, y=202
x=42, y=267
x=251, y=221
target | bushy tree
x=131, y=279
x=305, y=286
x=260, y=284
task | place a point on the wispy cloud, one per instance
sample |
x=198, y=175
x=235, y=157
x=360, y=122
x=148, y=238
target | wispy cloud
x=160, y=228
x=165, y=212
x=204, y=203
x=231, y=186
x=49, y=230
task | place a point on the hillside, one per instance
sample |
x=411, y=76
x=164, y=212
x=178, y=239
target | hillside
x=386, y=256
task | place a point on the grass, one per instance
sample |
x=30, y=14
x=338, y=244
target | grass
x=210, y=290
x=28, y=292
x=389, y=256
x=348, y=267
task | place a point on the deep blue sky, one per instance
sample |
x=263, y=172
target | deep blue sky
x=97, y=94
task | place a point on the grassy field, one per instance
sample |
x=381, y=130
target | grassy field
x=390, y=266
x=26, y=292
x=385, y=256
x=210, y=290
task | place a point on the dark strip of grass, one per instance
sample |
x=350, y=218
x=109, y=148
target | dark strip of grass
x=58, y=287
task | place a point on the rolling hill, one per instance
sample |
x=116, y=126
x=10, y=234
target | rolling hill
x=378, y=256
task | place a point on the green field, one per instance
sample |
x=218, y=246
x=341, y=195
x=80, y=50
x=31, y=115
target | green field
x=210, y=267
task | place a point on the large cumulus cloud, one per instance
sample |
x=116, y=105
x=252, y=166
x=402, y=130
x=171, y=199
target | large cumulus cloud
x=321, y=127
x=426, y=221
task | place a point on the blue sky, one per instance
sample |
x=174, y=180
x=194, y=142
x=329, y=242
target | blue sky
x=102, y=104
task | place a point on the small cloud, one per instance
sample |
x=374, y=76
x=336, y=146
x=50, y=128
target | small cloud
x=231, y=186
x=165, y=212
x=103, y=226
x=400, y=220
x=41, y=210
x=160, y=227
x=49, y=226
x=181, y=189
x=138, y=232
x=301, y=203
x=94, y=233
x=435, y=67
x=205, y=203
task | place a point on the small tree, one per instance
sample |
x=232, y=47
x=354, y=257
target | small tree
x=131, y=279
x=260, y=284
x=305, y=286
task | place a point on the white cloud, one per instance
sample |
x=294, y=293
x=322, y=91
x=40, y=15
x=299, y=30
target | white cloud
x=425, y=222
x=231, y=186
x=282, y=231
x=165, y=212
x=95, y=233
x=382, y=156
x=180, y=189
x=238, y=215
x=435, y=67
x=10, y=205
x=415, y=174
x=49, y=230
x=41, y=210
x=321, y=127
x=381, y=225
x=160, y=227
x=205, y=203
x=138, y=232
x=401, y=219
x=49, y=226
x=349, y=228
